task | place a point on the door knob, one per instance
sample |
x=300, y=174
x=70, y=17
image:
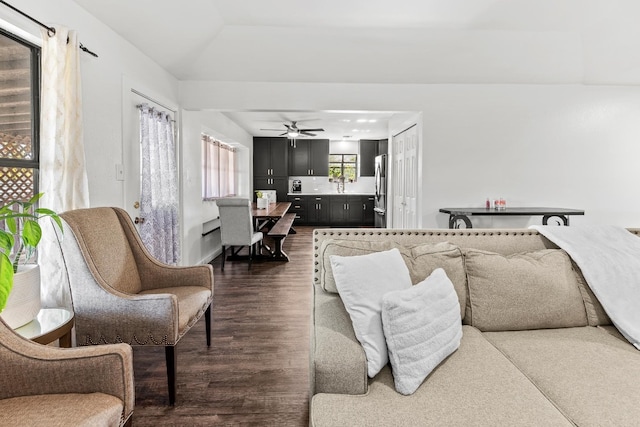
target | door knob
x=138, y=220
x=136, y=205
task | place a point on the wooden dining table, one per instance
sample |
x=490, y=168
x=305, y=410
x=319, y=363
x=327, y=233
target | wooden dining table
x=264, y=219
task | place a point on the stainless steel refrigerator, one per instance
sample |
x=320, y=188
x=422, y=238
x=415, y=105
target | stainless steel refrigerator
x=380, y=201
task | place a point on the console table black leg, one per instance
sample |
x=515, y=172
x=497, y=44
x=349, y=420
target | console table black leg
x=453, y=221
x=564, y=218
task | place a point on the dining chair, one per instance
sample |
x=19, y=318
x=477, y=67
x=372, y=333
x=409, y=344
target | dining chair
x=49, y=386
x=120, y=293
x=236, y=226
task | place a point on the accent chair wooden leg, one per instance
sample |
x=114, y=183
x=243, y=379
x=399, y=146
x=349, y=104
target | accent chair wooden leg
x=224, y=255
x=207, y=325
x=250, y=256
x=170, y=355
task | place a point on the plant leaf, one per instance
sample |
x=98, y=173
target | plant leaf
x=6, y=241
x=11, y=225
x=6, y=279
x=31, y=233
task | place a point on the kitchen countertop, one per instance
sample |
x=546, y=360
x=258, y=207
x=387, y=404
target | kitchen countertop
x=346, y=193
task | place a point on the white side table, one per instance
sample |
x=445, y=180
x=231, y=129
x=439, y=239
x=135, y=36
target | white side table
x=49, y=325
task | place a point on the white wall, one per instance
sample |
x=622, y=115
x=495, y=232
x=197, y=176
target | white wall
x=107, y=81
x=102, y=81
x=198, y=249
x=559, y=145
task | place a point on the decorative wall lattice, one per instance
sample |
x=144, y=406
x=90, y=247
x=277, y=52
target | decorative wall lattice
x=16, y=183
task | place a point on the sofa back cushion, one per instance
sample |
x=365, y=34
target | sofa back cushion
x=531, y=290
x=421, y=260
x=424, y=259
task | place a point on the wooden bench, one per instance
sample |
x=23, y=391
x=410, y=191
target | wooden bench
x=279, y=231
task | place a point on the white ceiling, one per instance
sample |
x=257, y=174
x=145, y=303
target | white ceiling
x=381, y=42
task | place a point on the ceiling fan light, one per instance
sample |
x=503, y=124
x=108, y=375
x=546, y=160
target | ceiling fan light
x=293, y=134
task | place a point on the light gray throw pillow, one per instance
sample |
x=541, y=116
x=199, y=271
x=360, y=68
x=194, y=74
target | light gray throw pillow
x=422, y=327
x=362, y=281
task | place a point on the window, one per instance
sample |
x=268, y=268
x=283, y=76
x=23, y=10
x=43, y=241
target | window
x=343, y=166
x=19, y=118
x=218, y=168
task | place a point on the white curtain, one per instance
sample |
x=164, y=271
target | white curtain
x=63, y=177
x=159, y=193
x=218, y=168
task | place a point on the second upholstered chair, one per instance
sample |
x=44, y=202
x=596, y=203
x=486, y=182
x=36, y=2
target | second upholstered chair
x=236, y=226
x=121, y=293
x=50, y=386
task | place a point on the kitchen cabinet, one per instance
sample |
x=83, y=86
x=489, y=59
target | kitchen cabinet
x=270, y=156
x=368, y=153
x=280, y=184
x=299, y=207
x=270, y=165
x=318, y=210
x=309, y=157
x=347, y=210
x=368, y=216
x=310, y=210
x=369, y=149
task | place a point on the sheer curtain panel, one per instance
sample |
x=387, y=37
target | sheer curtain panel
x=218, y=168
x=63, y=176
x=159, y=192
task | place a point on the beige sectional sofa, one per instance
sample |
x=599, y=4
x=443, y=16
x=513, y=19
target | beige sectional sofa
x=537, y=348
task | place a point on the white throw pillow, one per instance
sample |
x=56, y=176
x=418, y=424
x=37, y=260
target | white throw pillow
x=362, y=280
x=422, y=326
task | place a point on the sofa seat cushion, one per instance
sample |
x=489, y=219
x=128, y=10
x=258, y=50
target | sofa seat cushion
x=591, y=375
x=57, y=410
x=475, y=383
x=192, y=301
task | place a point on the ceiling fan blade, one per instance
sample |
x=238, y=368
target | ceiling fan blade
x=312, y=130
x=287, y=126
x=304, y=132
x=283, y=134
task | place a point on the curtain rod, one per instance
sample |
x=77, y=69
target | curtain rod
x=51, y=31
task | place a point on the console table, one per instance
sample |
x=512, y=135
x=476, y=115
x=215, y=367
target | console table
x=463, y=214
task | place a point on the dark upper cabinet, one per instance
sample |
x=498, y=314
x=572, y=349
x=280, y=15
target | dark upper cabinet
x=368, y=153
x=269, y=156
x=309, y=157
x=383, y=146
x=280, y=184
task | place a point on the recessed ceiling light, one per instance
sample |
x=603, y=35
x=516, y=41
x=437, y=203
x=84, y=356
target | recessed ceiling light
x=346, y=120
x=355, y=130
x=362, y=120
x=372, y=121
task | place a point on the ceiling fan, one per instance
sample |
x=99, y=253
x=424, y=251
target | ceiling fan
x=294, y=131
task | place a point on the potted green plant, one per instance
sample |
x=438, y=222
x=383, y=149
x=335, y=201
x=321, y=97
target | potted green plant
x=18, y=241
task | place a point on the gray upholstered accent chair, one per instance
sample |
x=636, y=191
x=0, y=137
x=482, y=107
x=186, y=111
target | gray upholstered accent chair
x=236, y=226
x=121, y=293
x=49, y=386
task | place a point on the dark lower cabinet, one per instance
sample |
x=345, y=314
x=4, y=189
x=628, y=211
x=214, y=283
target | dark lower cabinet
x=330, y=210
x=368, y=216
x=318, y=210
x=299, y=207
x=347, y=210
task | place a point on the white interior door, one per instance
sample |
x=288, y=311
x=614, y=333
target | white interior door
x=411, y=177
x=398, y=181
x=405, y=178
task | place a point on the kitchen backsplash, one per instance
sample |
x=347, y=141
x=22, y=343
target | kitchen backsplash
x=321, y=185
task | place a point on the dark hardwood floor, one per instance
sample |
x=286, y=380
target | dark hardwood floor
x=256, y=372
